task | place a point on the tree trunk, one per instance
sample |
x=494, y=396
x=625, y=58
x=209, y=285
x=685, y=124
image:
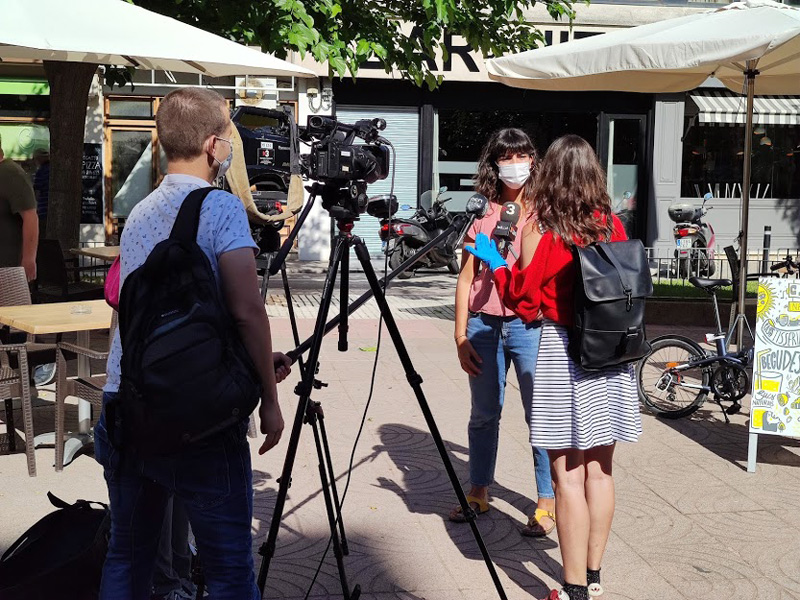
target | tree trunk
x=69, y=89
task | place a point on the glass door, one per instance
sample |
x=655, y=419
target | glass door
x=622, y=152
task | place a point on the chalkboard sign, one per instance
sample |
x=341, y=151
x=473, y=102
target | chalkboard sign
x=92, y=173
x=775, y=404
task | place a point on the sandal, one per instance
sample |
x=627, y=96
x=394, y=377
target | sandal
x=481, y=506
x=595, y=590
x=534, y=528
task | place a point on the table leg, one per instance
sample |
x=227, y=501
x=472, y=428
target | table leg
x=75, y=442
x=84, y=407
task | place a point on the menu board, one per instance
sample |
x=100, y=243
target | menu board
x=775, y=404
x=92, y=175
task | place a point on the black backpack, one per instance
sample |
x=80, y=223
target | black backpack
x=611, y=283
x=186, y=376
x=60, y=556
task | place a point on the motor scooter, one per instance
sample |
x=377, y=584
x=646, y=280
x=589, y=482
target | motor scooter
x=402, y=237
x=694, y=240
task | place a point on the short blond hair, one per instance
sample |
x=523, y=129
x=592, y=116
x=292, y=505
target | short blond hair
x=186, y=118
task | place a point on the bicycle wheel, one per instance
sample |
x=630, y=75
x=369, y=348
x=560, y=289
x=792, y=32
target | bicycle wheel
x=667, y=393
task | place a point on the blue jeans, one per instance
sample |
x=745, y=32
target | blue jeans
x=214, y=483
x=499, y=341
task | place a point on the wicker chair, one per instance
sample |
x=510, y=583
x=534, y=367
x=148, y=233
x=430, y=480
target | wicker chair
x=88, y=388
x=14, y=291
x=15, y=382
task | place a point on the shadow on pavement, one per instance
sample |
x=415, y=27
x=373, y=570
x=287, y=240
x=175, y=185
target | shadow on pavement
x=729, y=441
x=426, y=489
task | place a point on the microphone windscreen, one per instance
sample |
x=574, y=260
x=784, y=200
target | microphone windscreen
x=510, y=213
x=477, y=205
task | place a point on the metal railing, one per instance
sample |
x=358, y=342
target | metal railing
x=93, y=269
x=669, y=269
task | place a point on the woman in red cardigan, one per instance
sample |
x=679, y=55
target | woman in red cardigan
x=578, y=416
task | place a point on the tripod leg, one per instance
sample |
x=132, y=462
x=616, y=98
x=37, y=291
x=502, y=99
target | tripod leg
x=416, y=383
x=267, y=264
x=267, y=549
x=332, y=477
x=320, y=416
x=332, y=512
x=344, y=301
x=292, y=318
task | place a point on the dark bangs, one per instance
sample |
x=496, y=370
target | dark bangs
x=509, y=141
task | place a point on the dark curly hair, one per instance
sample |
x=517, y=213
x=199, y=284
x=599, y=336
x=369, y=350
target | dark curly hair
x=570, y=196
x=504, y=142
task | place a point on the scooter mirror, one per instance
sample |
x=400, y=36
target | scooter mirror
x=406, y=207
x=443, y=189
x=707, y=197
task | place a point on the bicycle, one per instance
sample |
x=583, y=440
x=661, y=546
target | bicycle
x=786, y=268
x=678, y=375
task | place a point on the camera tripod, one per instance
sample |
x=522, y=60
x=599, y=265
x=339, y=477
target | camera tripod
x=310, y=412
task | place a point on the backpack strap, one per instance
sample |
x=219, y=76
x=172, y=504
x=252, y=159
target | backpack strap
x=188, y=219
x=609, y=252
x=621, y=273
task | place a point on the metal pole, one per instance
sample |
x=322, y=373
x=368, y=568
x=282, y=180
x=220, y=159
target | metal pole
x=766, y=246
x=750, y=75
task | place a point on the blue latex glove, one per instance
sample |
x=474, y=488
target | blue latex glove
x=486, y=251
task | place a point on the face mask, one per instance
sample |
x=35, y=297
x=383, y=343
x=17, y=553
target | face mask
x=515, y=175
x=225, y=164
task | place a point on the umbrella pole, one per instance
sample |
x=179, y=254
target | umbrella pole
x=750, y=75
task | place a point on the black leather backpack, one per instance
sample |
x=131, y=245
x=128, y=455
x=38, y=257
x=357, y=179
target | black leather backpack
x=612, y=281
x=60, y=556
x=186, y=376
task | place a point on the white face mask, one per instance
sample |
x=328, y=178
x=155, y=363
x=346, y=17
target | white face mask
x=515, y=175
x=225, y=164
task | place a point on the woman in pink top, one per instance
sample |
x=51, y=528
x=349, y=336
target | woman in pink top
x=489, y=337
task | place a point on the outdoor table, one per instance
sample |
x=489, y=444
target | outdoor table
x=105, y=253
x=63, y=317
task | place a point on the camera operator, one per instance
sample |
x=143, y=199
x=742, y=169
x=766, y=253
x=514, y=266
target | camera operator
x=214, y=480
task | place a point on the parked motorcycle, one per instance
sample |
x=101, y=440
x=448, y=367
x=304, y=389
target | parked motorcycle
x=694, y=239
x=402, y=237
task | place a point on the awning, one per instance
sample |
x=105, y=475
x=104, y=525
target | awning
x=722, y=107
x=24, y=87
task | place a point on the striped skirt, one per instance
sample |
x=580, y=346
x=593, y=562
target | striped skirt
x=574, y=408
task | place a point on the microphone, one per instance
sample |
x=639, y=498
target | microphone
x=506, y=229
x=477, y=207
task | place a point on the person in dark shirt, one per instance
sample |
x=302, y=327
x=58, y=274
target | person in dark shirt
x=19, y=224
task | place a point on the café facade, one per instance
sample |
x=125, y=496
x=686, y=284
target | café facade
x=657, y=149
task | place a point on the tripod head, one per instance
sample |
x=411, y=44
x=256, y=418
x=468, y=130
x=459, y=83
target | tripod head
x=344, y=200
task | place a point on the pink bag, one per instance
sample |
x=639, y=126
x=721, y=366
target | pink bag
x=112, y=285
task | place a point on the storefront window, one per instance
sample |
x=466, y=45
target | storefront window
x=130, y=109
x=132, y=174
x=713, y=161
x=22, y=141
x=463, y=133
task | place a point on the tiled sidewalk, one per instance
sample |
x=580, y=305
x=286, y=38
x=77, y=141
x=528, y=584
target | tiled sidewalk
x=690, y=522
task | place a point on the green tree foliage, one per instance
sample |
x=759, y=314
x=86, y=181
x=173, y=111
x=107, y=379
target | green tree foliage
x=401, y=34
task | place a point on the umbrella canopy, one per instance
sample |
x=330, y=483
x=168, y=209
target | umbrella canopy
x=118, y=33
x=671, y=56
x=751, y=46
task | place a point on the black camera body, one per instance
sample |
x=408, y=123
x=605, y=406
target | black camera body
x=336, y=161
x=345, y=168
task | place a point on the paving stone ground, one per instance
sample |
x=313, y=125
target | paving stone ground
x=691, y=523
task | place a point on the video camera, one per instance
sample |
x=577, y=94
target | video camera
x=343, y=167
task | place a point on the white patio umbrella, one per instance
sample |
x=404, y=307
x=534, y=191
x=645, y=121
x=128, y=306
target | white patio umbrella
x=751, y=46
x=118, y=33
